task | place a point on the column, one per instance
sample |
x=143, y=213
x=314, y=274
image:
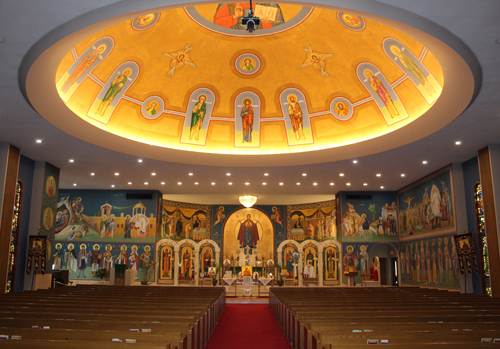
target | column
x=176, y=265
x=9, y=163
x=489, y=171
x=196, y=266
x=320, y=267
x=300, y=268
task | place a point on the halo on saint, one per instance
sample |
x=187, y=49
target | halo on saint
x=95, y=245
x=349, y=248
x=290, y=97
x=71, y=245
x=83, y=247
x=123, y=247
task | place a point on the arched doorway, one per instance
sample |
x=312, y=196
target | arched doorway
x=386, y=256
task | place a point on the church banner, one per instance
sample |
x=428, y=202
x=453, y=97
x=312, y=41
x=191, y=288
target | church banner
x=466, y=253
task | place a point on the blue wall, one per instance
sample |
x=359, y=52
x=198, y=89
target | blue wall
x=25, y=175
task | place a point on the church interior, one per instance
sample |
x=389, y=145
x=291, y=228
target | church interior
x=336, y=162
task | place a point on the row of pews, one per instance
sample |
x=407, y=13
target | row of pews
x=101, y=316
x=323, y=318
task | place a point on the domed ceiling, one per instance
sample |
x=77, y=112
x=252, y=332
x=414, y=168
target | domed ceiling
x=193, y=79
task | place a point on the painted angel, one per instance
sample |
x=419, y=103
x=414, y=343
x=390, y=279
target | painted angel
x=179, y=59
x=219, y=215
x=317, y=60
x=276, y=216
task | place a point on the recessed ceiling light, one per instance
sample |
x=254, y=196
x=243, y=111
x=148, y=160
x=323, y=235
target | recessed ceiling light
x=179, y=183
x=139, y=160
x=153, y=173
x=190, y=173
x=266, y=174
x=230, y=183
x=402, y=175
x=71, y=160
x=304, y=174
x=246, y=183
x=129, y=183
x=228, y=174
x=315, y=183
x=281, y=183
x=92, y=174
x=162, y=183
x=264, y=183
x=378, y=175
x=74, y=184
x=381, y=187
x=365, y=184
x=112, y=185
x=341, y=174
x=458, y=142
x=195, y=183
x=39, y=141
x=213, y=183
x=298, y=183
x=146, y=183
x=348, y=184
x=332, y=183
x=354, y=161
x=424, y=162
x=117, y=174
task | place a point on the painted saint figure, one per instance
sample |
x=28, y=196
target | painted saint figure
x=115, y=87
x=247, y=64
x=381, y=91
x=341, y=110
x=82, y=260
x=409, y=64
x=123, y=256
x=197, y=115
x=82, y=67
x=58, y=256
x=247, y=119
x=153, y=108
x=166, y=263
x=134, y=260
x=316, y=60
x=95, y=259
x=248, y=234
x=107, y=261
x=295, y=113
x=70, y=259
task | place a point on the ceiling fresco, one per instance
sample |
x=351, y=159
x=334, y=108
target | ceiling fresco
x=192, y=79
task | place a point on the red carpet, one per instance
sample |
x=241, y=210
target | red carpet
x=247, y=326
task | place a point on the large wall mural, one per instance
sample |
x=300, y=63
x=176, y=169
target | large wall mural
x=98, y=229
x=185, y=221
x=430, y=262
x=427, y=207
x=283, y=96
x=315, y=221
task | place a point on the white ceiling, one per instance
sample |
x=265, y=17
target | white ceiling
x=28, y=27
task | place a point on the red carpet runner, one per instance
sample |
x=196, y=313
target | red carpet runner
x=247, y=326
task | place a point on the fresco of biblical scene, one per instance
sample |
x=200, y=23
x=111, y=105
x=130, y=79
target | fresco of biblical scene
x=426, y=207
x=185, y=221
x=331, y=260
x=355, y=258
x=219, y=215
x=430, y=262
x=413, y=68
x=146, y=21
x=314, y=221
x=83, y=259
x=207, y=259
x=373, y=218
x=167, y=262
x=112, y=220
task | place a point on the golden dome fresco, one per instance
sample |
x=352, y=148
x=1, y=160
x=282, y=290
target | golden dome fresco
x=193, y=79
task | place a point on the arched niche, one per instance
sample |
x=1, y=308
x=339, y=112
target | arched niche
x=388, y=265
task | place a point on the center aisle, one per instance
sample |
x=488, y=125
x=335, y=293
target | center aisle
x=248, y=326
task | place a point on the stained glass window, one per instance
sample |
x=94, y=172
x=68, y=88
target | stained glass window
x=11, y=273
x=481, y=229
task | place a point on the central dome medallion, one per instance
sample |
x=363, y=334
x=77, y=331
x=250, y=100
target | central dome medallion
x=193, y=79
